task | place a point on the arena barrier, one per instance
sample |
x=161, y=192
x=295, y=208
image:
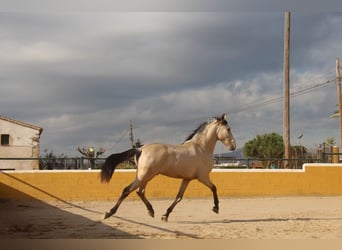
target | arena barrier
x=85, y=185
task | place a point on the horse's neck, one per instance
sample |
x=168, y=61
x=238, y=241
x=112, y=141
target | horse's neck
x=207, y=140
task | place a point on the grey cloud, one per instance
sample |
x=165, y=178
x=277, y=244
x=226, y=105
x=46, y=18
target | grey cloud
x=83, y=76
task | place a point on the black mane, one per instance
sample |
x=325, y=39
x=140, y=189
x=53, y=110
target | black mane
x=201, y=127
x=197, y=130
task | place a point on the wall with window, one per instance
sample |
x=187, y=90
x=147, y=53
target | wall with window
x=4, y=139
x=18, y=140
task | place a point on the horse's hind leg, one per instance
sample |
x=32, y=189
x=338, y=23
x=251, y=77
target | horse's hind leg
x=179, y=197
x=141, y=193
x=125, y=192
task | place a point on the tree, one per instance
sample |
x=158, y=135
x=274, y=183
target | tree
x=89, y=153
x=51, y=161
x=330, y=141
x=265, y=146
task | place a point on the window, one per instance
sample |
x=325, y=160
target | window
x=4, y=139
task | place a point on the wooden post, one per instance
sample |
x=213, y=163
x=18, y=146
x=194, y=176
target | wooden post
x=338, y=80
x=335, y=155
x=131, y=136
x=286, y=121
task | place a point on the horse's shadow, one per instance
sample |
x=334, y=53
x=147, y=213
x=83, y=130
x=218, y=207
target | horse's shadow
x=224, y=221
x=176, y=232
x=231, y=221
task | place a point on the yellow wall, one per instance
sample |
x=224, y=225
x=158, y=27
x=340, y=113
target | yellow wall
x=314, y=179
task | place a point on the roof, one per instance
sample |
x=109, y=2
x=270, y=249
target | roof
x=24, y=124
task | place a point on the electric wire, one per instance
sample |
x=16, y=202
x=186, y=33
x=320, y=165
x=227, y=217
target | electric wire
x=293, y=93
x=300, y=90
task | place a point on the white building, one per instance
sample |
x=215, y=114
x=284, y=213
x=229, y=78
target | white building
x=19, y=140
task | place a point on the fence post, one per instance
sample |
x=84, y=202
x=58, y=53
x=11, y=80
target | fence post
x=248, y=163
x=336, y=156
x=81, y=163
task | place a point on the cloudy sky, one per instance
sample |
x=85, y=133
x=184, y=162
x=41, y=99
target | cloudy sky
x=82, y=76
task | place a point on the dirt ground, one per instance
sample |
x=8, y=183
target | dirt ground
x=239, y=218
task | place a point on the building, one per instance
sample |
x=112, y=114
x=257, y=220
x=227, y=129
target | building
x=19, y=140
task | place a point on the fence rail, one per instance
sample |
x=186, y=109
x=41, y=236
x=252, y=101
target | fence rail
x=296, y=163
x=219, y=162
x=60, y=163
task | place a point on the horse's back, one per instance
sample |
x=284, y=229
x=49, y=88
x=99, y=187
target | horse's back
x=155, y=154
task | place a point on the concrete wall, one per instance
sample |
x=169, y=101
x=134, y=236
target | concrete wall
x=314, y=179
x=23, y=143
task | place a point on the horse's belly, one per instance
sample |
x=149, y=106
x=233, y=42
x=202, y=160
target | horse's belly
x=179, y=171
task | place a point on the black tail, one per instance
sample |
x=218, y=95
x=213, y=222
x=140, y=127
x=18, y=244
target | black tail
x=113, y=160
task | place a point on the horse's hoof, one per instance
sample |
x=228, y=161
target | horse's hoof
x=151, y=213
x=164, y=218
x=106, y=215
x=216, y=210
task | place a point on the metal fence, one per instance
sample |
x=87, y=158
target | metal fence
x=71, y=163
x=275, y=163
x=64, y=163
x=256, y=163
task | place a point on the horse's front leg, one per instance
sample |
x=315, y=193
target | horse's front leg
x=209, y=184
x=216, y=200
x=179, y=197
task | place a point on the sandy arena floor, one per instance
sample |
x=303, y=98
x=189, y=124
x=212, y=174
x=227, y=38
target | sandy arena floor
x=239, y=218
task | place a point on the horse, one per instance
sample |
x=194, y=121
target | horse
x=193, y=159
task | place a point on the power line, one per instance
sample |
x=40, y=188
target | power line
x=118, y=140
x=254, y=105
x=277, y=99
x=294, y=93
x=302, y=88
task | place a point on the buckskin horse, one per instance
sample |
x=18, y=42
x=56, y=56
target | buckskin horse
x=193, y=159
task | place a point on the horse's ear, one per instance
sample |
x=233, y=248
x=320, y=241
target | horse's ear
x=222, y=119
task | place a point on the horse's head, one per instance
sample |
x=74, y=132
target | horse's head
x=224, y=133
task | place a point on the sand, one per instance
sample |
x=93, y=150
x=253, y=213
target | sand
x=239, y=218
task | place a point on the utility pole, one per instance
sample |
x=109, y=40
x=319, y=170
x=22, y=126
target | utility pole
x=338, y=80
x=286, y=121
x=131, y=137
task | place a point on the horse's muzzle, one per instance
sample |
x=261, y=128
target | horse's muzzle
x=232, y=146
